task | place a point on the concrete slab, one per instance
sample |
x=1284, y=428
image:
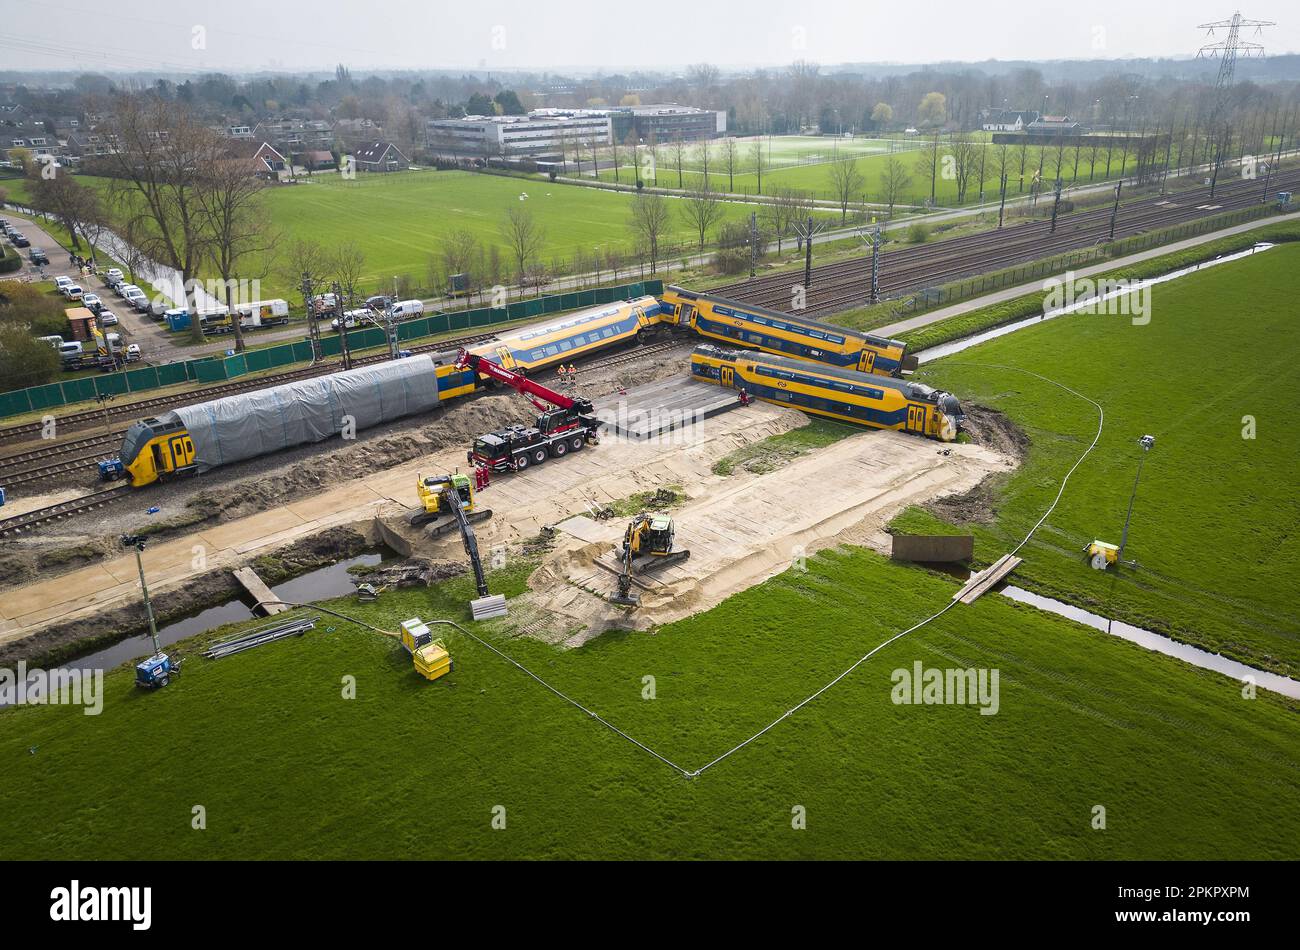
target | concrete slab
x=585, y=529
x=669, y=404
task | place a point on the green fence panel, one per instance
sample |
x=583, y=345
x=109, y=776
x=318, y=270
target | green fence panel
x=14, y=403
x=141, y=379
x=77, y=390
x=48, y=396
x=213, y=371
x=173, y=373
x=113, y=384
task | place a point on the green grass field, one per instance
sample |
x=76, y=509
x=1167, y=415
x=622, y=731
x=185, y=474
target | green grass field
x=815, y=177
x=399, y=220
x=1214, y=527
x=1183, y=765
x=285, y=767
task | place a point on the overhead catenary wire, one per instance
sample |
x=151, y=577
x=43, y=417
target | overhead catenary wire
x=838, y=678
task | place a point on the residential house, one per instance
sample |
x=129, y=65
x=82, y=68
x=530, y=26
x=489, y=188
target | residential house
x=1006, y=120
x=380, y=157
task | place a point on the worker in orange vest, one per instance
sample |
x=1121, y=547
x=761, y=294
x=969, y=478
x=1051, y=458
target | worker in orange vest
x=573, y=376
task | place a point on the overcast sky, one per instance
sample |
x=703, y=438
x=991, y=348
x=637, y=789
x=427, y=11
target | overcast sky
x=235, y=35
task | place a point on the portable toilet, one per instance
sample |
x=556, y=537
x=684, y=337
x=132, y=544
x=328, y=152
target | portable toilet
x=178, y=319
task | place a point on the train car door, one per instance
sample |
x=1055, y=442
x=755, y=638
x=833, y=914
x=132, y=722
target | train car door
x=916, y=419
x=505, y=357
x=728, y=376
x=868, y=361
x=182, y=448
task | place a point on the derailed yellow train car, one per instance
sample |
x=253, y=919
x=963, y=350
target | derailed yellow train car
x=194, y=439
x=878, y=402
x=740, y=324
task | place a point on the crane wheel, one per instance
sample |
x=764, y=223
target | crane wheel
x=522, y=462
x=576, y=443
x=560, y=449
x=539, y=456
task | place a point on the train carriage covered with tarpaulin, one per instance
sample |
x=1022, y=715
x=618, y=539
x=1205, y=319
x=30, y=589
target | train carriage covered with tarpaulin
x=246, y=425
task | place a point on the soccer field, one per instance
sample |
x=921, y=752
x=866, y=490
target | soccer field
x=805, y=164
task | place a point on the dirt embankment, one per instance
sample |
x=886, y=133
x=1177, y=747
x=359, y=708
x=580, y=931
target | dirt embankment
x=57, y=644
x=978, y=505
x=261, y=484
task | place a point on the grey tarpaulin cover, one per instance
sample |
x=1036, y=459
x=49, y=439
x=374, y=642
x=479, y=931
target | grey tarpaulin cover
x=250, y=424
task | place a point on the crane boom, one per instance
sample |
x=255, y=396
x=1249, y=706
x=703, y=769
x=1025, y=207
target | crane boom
x=518, y=381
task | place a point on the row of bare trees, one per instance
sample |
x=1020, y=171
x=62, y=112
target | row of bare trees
x=179, y=197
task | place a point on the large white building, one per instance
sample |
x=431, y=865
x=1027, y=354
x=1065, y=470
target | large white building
x=552, y=131
x=541, y=132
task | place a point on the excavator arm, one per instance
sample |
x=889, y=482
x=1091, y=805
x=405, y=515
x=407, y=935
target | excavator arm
x=451, y=499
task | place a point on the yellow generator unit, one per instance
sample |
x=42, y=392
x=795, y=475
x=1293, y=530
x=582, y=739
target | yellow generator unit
x=415, y=634
x=433, y=661
x=1101, y=554
x=430, y=656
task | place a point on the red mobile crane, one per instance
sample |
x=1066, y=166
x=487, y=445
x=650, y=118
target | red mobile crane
x=564, y=424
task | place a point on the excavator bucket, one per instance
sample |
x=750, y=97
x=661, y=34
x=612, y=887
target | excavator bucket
x=626, y=600
x=482, y=608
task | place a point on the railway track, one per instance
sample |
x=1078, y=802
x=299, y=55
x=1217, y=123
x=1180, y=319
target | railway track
x=145, y=407
x=21, y=524
x=36, y=465
x=844, y=284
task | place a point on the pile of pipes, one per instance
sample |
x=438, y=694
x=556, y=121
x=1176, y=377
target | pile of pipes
x=255, y=638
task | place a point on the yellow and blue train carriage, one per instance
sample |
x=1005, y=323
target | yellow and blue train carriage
x=879, y=402
x=783, y=334
x=194, y=439
x=540, y=346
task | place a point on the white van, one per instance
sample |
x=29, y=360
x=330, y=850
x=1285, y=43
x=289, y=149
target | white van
x=70, y=351
x=54, y=341
x=405, y=309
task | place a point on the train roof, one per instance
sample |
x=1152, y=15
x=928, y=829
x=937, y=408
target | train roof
x=905, y=386
x=577, y=319
x=787, y=317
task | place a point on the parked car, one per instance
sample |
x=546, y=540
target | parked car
x=73, y=291
x=123, y=289
x=378, y=302
x=107, y=317
x=39, y=257
x=92, y=302
x=132, y=352
x=61, y=282
x=70, y=351
x=137, y=299
x=405, y=309
x=352, y=319
x=18, y=240
x=113, y=276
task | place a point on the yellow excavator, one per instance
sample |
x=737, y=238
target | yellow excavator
x=647, y=545
x=435, y=492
